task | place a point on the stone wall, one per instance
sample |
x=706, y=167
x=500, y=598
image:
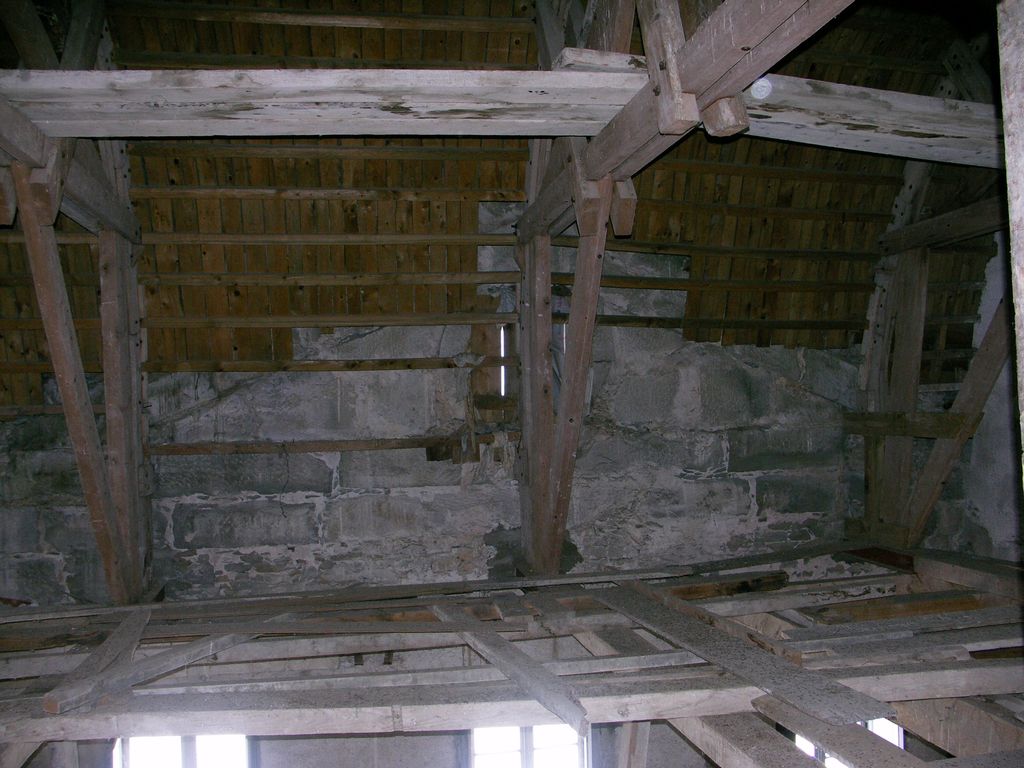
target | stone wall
x=690, y=452
x=697, y=451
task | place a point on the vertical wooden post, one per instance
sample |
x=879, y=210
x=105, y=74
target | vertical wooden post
x=1011, y=69
x=119, y=318
x=579, y=337
x=51, y=293
x=537, y=414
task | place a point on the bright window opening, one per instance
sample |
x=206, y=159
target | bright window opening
x=220, y=751
x=542, y=746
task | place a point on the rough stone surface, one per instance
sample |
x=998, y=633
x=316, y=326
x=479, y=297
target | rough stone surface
x=690, y=452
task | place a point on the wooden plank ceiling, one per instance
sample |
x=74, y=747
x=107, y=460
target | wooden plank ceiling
x=245, y=239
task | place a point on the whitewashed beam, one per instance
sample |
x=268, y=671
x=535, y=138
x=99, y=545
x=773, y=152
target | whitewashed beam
x=871, y=120
x=140, y=103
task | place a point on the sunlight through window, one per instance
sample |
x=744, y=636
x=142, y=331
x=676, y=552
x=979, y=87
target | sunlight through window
x=542, y=746
x=219, y=751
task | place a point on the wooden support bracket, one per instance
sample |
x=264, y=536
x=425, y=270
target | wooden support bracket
x=725, y=117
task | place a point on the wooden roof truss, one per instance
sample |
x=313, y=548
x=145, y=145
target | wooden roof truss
x=595, y=117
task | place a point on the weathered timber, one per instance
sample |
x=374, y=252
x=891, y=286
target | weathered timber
x=116, y=649
x=853, y=745
x=868, y=120
x=122, y=393
x=715, y=65
x=313, y=18
x=699, y=692
x=579, y=335
x=741, y=740
x=556, y=695
x=981, y=218
x=962, y=726
x=139, y=103
x=982, y=373
x=994, y=576
x=51, y=294
x=87, y=197
x=805, y=690
x=123, y=677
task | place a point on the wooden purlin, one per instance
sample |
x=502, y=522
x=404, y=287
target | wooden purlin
x=276, y=686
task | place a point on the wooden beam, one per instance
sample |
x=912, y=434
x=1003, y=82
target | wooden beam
x=1010, y=15
x=701, y=691
x=869, y=120
x=993, y=576
x=975, y=389
x=726, y=117
x=537, y=396
x=808, y=691
x=741, y=740
x=8, y=197
x=962, y=726
x=87, y=197
x=123, y=400
x=556, y=695
x=717, y=62
x=469, y=363
x=853, y=745
x=47, y=277
x=890, y=461
x=26, y=30
x=300, y=446
x=915, y=424
x=95, y=686
x=981, y=218
x=139, y=103
x=631, y=739
x=313, y=18
x=117, y=649
x=411, y=319
x=549, y=484
x=579, y=336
